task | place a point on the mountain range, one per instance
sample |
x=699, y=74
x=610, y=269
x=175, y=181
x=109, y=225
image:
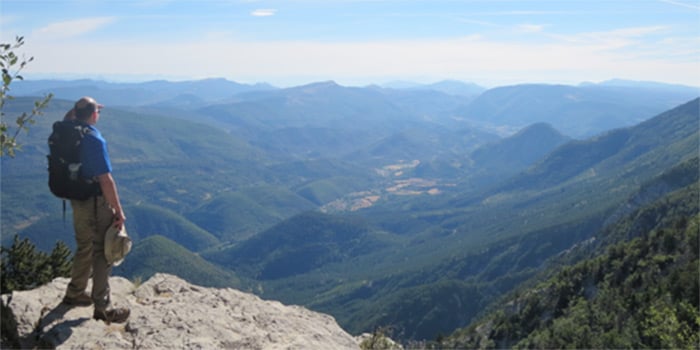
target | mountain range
x=409, y=207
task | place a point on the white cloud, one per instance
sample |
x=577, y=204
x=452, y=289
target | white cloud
x=530, y=28
x=264, y=12
x=73, y=28
x=586, y=57
x=617, y=34
x=618, y=39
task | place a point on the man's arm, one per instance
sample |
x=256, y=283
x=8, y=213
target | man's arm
x=109, y=190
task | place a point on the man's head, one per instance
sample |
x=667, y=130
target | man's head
x=86, y=108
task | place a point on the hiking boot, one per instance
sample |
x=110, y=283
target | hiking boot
x=81, y=300
x=118, y=315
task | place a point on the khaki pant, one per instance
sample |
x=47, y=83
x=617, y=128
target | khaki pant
x=91, y=219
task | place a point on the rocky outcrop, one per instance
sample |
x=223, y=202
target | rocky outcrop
x=168, y=313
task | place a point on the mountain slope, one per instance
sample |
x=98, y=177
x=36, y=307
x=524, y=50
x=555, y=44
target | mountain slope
x=634, y=151
x=148, y=220
x=522, y=149
x=323, y=119
x=323, y=104
x=638, y=294
x=426, y=143
x=424, y=302
x=298, y=245
x=430, y=103
x=577, y=111
x=158, y=254
x=507, y=157
x=234, y=216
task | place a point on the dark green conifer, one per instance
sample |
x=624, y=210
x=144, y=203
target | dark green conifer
x=24, y=267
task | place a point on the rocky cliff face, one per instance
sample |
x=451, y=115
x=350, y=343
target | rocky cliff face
x=168, y=313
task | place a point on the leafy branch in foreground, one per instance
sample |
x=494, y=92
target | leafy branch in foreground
x=12, y=65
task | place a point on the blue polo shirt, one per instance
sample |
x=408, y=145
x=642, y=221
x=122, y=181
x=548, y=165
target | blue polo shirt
x=93, y=155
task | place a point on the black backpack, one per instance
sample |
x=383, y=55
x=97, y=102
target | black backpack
x=64, y=162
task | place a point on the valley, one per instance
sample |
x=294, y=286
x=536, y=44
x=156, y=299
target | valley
x=382, y=207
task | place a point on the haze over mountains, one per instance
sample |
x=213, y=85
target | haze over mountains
x=413, y=207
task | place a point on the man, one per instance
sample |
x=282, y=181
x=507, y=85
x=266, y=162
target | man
x=91, y=219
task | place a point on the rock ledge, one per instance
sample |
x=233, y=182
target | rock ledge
x=169, y=313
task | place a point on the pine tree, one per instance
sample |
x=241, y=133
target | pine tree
x=24, y=267
x=60, y=261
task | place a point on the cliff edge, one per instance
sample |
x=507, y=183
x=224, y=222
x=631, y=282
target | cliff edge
x=168, y=313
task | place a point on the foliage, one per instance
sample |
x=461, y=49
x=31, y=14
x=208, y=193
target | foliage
x=301, y=244
x=24, y=267
x=641, y=293
x=147, y=220
x=234, y=216
x=12, y=65
x=379, y=340
x=158, y=254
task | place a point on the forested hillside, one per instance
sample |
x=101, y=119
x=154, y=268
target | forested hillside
x=641, y=292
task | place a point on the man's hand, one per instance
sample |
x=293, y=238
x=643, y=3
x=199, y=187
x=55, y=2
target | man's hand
x=119, y=220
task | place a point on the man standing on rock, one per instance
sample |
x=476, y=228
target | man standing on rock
x=91, y=219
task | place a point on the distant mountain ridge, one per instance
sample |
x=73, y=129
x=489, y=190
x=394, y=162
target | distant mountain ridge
x=609, y=151
x=576, y=111
x=451, y=87
x=136, y=94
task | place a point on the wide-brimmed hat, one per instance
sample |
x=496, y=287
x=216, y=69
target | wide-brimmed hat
x=117, y=245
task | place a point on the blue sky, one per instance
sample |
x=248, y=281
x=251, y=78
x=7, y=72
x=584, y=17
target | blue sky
x=359, y=42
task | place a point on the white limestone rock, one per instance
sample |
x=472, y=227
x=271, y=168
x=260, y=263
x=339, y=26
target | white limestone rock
x=169, y=313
